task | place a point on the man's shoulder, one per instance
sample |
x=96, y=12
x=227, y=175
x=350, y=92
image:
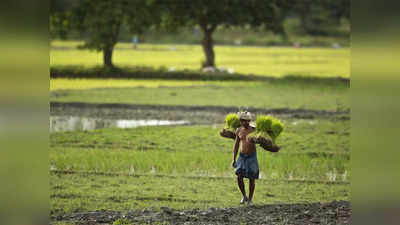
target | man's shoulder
x=238, y=130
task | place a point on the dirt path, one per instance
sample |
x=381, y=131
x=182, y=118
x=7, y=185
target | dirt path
x=201, y=114
x=337, y=212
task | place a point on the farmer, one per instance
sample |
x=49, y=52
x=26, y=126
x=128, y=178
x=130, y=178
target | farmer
x=247, y=164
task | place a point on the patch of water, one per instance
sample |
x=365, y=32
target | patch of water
x=76, y=123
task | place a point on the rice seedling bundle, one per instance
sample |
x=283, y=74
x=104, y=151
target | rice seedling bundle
x=276, y=129
x=232, y=122
x=267, y=131
x=268, y=127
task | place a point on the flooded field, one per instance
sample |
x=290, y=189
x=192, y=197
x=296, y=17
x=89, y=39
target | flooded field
x=77, y=123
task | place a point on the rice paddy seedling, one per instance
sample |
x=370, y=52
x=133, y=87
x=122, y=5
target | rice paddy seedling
x=276, y=129
x=268, y=127
x=263, y=124
x=232, y=122
x=113, y=157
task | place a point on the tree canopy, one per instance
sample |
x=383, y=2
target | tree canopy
x=100, y=21
x=209, y=14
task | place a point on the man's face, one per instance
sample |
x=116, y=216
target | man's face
x=244, y=123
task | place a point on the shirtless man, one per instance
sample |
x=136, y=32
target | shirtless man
x=247, y=164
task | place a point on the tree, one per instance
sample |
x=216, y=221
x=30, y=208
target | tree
x=208, y=15
x=211, y=14
x=101, y=21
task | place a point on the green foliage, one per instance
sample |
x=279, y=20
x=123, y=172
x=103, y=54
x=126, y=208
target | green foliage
x=101, y=21
x=60, y=25
x=232, y=121
x=219, y=13
x=321, y=17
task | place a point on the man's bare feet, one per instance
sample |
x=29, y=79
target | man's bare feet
x=244, y=199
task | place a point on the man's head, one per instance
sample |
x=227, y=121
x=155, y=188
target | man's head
x=245, y=118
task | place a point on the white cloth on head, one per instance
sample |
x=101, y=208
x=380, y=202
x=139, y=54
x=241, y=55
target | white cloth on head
x=244, y=115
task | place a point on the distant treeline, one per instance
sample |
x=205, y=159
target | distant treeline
x=102, y=23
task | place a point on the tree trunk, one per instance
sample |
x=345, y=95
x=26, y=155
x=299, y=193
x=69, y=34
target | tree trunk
x=107, y=56
x=208, y=47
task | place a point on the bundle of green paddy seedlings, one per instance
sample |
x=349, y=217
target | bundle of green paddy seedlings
x=232, y=122
x=267, y=131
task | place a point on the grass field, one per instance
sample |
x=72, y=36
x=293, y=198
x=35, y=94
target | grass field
x=81, y=192
x=263, y=61
x=188, y=157
x=287, y=93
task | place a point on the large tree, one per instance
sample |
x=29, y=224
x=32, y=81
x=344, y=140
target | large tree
x=100, y=21
x=210, y=14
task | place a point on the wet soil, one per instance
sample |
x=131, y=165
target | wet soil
x=336, y=212
x=194, y=114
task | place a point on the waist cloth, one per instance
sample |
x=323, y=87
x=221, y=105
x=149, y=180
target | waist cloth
x=247, y=166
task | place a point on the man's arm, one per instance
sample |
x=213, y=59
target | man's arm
x=235, y=149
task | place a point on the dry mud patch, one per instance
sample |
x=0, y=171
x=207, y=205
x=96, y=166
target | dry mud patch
x=336, y=212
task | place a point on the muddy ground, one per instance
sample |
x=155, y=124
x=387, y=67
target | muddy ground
x=337, y=212
x=194, y=114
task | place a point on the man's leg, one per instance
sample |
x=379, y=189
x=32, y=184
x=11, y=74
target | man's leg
x=252, y=186
x=241, y=187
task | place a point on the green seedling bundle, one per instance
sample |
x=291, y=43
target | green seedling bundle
x=268, y=127
x=232, y=122
x=267, y=130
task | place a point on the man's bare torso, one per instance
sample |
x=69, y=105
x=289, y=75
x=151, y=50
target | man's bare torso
x=246, y=147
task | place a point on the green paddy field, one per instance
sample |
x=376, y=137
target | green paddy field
x=188, y=166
